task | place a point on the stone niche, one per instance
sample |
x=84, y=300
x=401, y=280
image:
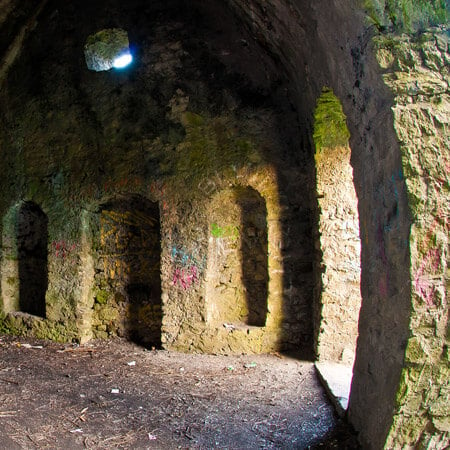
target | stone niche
x=237, y=281
x=24, y=264
x=127, y=284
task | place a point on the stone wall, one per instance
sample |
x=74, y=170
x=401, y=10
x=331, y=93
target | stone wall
x=340, y=265
x=417, y=71
x=71, y=140
x=179, y=127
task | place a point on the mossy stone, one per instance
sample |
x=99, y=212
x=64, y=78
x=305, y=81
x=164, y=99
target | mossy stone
x=101, y=297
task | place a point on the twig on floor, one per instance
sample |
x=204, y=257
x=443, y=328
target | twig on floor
x=9, y=381
x=8, y=413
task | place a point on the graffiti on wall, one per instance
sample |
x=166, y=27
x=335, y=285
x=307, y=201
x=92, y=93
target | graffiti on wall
x=184, y=258
x=63, y=249
x=427, y=279
x=424, y=284
x=187, y=266
x=185, y=277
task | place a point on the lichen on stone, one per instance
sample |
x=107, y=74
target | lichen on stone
x=330, y=127
x=406, y=15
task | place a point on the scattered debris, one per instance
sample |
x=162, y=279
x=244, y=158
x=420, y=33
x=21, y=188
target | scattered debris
x=28, y=345
x=6, y=380
x=82, y=415
x=76, y=349
x=7, y=413
x=250, y=365
x=105, y=404
x=131, y=363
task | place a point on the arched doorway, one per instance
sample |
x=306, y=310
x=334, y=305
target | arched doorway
x=32, y=253
x=338, y=267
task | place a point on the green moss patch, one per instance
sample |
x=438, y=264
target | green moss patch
x=211, y=145
x=406, y=15
x=18, y=324
x=330, y=127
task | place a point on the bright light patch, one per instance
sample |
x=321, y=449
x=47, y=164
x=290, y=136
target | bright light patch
x=106, y=49
x=123, y=61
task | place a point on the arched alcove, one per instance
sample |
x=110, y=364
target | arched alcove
x=25, y=260
x=237, y=282
x=127, y=271
x=253, y=249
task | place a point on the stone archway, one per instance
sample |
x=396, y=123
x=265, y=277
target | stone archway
x=32, y=252
x=338, y=266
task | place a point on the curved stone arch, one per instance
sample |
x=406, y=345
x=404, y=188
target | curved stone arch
x=117, y=269
x=384, y=229
x=260, y=189
x=384, y=218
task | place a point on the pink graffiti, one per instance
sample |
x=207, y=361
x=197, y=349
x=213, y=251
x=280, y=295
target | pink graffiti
x=185, y=277
x=63, y=249
x=423, y=285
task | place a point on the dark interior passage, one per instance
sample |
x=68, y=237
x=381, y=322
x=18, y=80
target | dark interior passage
x=144, y=313
x=32, y=237
x=129, y=301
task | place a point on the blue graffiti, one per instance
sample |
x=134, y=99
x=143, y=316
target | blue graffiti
x=186, y=258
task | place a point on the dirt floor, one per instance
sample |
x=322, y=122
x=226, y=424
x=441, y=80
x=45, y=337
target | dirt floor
x=114, y=394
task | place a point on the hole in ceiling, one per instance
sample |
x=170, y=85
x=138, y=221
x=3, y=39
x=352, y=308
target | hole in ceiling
x=108, y=49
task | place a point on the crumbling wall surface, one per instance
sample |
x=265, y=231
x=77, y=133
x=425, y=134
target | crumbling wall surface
x=417, y=71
